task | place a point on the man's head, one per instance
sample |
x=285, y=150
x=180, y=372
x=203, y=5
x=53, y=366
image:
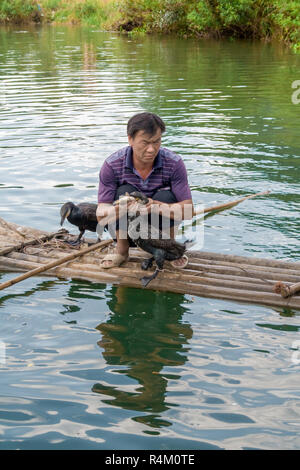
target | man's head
x=149, y=123
x=144, y=132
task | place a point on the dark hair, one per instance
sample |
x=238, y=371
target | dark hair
x=147, y=122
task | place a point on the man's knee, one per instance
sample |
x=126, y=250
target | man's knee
x=165, y=195
x=168, y=197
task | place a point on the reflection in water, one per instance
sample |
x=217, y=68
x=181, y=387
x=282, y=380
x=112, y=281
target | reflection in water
x=89, y=82
x=89, y=56
x=145, y=335
x=41, y=286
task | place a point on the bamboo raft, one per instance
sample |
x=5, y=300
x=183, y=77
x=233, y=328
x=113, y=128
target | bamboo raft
x=244, y=279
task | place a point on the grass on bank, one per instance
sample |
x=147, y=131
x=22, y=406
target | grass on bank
x=259, y=19
x=89, y=12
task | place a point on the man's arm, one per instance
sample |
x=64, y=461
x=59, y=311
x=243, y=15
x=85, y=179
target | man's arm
x=104, y=211
x=182, y=210
x=108, y=213
x=107, y=184
x=106, y=193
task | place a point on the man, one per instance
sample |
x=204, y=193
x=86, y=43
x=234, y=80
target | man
x=146, y=167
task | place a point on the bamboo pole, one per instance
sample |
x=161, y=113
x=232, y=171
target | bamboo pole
x=133, y=270
x=240, y=295
x=171, y=276
x=222, y=267
x=251, y=272
x=199, y=278
x=285, y=290
x=54, y=263
x=128, y=277
x=209, y=258
x=208, y=255
x=245, y=266
x=62, y=272
x=197, y=263
x=135, y=265
x=56, y=253
x=228, y=205
x=6, y=263
x=225, y=271
x=74, y=267
x=245, y=259
x=208, y=264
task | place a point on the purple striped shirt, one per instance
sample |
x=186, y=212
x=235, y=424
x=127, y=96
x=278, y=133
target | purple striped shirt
x=168, y=172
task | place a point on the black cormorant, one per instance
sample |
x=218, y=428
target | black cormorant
x=152, y=241
x=82, y=215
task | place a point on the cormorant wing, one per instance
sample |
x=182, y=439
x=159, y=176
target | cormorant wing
x=167, y=244
x=88, y=215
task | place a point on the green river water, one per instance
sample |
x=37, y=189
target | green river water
x=92, y=366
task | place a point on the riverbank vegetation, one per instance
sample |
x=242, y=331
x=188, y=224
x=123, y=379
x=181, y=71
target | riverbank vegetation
x=256, y=19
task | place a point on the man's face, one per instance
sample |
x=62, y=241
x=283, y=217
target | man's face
x=145, y=147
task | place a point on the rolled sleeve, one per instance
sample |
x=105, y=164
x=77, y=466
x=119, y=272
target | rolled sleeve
x=107, y=184
x=179, y=182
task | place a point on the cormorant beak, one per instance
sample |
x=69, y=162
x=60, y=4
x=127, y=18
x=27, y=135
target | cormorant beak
x=64, y=215
x=139, y=197
x=141, y=200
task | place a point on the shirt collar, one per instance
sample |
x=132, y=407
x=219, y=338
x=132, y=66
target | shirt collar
x=129, y=162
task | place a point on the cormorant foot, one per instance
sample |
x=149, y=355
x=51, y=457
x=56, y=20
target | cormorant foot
x=147, y=263
x=74, y=242
x=146, y=279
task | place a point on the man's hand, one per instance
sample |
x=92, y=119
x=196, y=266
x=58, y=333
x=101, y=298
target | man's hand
x=135, y=206
x=177, y=211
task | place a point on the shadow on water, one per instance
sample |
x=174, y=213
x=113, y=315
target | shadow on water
x=144, y=334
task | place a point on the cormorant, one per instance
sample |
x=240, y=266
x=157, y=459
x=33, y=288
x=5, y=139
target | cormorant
x=160, y=248
x=82, y=215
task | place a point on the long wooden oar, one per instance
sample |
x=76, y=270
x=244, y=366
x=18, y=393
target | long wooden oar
x=227, y=205
x=55, y=263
